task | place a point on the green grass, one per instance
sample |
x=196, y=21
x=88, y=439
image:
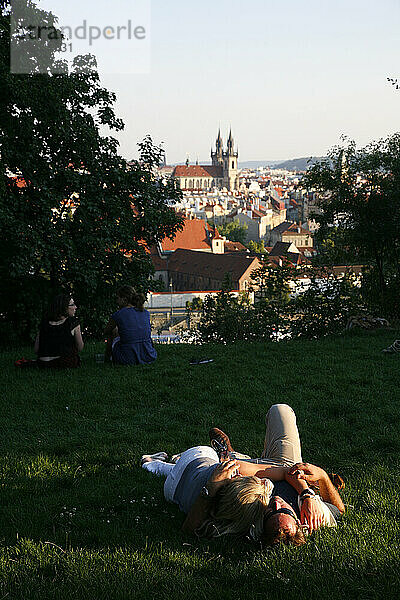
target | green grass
x=80, y=519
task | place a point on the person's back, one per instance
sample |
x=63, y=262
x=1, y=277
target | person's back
x=59, y=340
x=133, y=325
x=128, y=331
x=55, y=339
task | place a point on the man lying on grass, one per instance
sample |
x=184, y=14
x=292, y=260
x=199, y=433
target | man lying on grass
x=268, y=499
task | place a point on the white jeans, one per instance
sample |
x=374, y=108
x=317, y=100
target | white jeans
x=173, y=473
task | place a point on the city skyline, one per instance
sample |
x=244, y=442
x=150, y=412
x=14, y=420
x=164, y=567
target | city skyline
x=288, y=78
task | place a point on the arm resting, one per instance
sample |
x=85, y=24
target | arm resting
x=329, y=493
x=78, y=338
x=316, y=476
x=262, y=471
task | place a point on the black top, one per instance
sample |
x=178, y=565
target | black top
x=57, y=340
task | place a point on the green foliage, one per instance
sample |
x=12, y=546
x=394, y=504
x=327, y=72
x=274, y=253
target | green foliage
x=271, y=282
x=332, y=245
x=234, y=231
x=360, y=217
x=257, y=247
x=322, y=308
x=326, y=305
x=195, y=304
x=225, y=318
x=83, y=217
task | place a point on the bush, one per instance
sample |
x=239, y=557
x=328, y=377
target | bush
x=323, y=309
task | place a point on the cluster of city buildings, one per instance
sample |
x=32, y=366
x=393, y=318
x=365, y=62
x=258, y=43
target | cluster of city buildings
x=271, y=205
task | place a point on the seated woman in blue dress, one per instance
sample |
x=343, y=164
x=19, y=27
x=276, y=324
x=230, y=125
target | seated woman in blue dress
x=128, y=331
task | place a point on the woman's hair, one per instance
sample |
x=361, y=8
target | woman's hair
x=128, y=293
x=239, y=506
x=58, y=307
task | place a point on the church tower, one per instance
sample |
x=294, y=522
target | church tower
x=217, y=156
x=230, y=165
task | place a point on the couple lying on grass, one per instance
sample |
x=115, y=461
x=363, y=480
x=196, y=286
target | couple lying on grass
x=270, y=499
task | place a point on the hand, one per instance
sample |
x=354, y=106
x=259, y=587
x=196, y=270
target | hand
x=221, y=475
x=310, y=473
x=311, y=514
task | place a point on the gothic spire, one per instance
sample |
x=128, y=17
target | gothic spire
x=230, y=142
x=218, y=143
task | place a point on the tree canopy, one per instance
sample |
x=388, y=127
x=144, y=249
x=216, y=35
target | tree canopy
x=234, y=231
x=73, y=213
x=359, y=214
x=271, y=282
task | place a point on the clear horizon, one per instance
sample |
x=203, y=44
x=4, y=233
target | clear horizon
x=289, y=78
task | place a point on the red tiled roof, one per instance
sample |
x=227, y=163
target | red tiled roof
x=211, y=265
x=294, y=228
x=197, y=171
x=159, y=264
x=290, y=228
x=192, y=237
x=306, y=249
x=234, y=247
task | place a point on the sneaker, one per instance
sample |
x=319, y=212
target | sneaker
x=163, y=456
x=393, y=348
x=220, y=441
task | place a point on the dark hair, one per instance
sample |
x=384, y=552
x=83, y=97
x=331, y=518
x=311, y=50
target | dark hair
x=274, y=534
x=58, y=307
x=128, y=293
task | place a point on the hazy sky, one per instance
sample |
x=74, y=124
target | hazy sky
x=290, y=77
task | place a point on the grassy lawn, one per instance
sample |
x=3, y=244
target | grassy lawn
x=80, y=519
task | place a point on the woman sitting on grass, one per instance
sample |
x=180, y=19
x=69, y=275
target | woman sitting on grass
x=128, y=331
x=59, y=339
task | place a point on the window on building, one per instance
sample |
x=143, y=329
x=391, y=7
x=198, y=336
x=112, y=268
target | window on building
x=233, y=164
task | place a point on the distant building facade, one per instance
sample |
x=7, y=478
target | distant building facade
x=292, y=233
x=222, y=173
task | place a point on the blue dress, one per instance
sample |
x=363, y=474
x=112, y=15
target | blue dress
x=134, y=346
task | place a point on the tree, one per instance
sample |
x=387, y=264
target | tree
x=234, y=231
x=257, y=247
x=360, y=212
x=73, y=213
x=271, y=282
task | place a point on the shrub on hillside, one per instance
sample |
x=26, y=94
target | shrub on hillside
x=323, y=309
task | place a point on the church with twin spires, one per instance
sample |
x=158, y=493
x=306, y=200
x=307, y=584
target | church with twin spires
x=222, y=173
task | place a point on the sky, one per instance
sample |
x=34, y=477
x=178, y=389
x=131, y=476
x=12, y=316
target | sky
x=288, y=76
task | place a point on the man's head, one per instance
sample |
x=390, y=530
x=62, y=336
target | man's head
x=281, y=524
